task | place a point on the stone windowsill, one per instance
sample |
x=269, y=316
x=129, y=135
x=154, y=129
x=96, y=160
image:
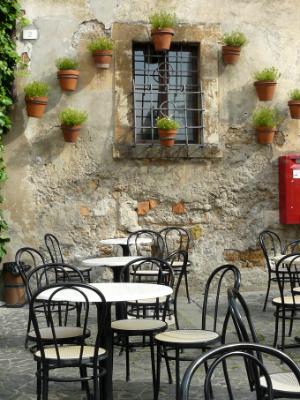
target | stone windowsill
x=142, y=151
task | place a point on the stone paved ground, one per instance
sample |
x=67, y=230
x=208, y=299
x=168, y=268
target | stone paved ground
x=17, y=381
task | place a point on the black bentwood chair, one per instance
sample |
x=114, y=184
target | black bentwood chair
x=26, y=259
x=213, y=327
x=284, y=383
x=155, y=247
x=271, y=246
x=149, y=316
x=55, y=253
x=177, y=239
x=86, y=358
x=251, y=355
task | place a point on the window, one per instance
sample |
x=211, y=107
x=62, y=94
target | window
x=167, y=84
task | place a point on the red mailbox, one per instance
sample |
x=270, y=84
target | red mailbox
x=289, y=189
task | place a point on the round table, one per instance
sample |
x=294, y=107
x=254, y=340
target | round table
x=123, y=242
x=113, y=293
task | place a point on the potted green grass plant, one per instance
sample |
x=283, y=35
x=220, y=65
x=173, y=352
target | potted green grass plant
x=167, y=129
x=36, y=98
x=265, y=83
x=264, y=120
x=232, y=44
x=101, y=49
x=67, y=73
x=71, y=121
x=294, y=103
x=162, y=30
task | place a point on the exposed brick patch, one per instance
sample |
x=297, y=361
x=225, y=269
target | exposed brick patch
x=179, y=208
x=143, y=207
x=153, y=203
x=245, y=258
x=84, y=211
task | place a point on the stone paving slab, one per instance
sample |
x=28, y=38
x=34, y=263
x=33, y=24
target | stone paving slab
x=17, y=367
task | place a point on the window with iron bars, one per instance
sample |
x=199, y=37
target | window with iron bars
x=167, y=84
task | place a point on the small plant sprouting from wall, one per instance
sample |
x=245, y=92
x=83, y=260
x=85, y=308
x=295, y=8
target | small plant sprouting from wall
x=9, y=13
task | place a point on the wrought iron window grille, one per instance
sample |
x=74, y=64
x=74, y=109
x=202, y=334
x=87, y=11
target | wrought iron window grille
x=167, y=84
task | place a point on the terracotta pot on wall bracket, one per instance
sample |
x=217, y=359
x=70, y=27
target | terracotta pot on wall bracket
x=167, y=137
x=162, y=38
x=231, y=54
x=71, y=133
x=102, y=58
x=68, y=79
x=294, y=106
x=36, y=106
x=265, y=135
x=265, y=90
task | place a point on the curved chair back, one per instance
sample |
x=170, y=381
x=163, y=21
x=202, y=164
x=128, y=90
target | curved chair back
x=176, y=239
x=28, y=258
x=271, y=246
x=246, y=351
x=288, y=276
x=218, y=282
x=53, y=248
x=155, y=247
x=61, y=294
x=292, y=247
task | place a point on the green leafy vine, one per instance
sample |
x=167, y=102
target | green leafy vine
x=9, y=13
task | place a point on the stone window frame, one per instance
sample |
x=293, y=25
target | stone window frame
x=207, y=35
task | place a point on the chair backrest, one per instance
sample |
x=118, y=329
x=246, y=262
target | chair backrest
x=53, y=248
x=155, y=247
x=271, y=246
x=246, y=351
x=28, y=258
x=45, y=275
x=218, y=282
x=175, y=238
x=292, y=247
x=81, y=292
x=288, y=276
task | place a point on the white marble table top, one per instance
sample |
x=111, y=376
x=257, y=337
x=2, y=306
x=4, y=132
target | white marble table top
x=109, y=261
x=288, y=259
x=113, y=292
x=122, y=241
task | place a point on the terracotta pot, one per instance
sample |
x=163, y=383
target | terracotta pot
x=68, y=79
x=265, y=90
x=294, y=106
x=162, y=38
x=231, y=54
x=167, y=137
x=102, y=58
x=71, y=133
x=265, y=135
x=36, y=106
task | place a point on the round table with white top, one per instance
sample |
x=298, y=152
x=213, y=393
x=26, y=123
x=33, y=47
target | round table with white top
x=113, y=293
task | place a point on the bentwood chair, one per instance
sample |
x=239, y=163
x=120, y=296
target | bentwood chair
x=156, y=247
x=177, y=239
x=26, y=259
x=149, y=317
x=53, y=359
x=250, y=355
x=56, y=255
x=213, y=326
x=271, y=246
x=284, y=384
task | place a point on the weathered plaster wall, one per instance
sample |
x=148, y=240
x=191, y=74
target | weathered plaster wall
x=80, y=193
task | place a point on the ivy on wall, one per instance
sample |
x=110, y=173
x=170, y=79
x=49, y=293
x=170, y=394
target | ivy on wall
x=9, y=13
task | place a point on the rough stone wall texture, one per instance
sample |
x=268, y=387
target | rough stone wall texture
x=82, y=194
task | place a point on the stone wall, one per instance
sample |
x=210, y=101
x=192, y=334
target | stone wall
x=82, y=194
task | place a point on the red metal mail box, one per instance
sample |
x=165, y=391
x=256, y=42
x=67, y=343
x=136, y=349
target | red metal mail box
x=289, y=189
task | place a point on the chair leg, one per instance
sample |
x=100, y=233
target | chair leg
x=283, y=330
x=276, y=327
x=177, y=367
x=152, y=362
x=168, y=365
x=45, y=382
x=158, y=362
x=127, y=359
x=38, y=381
x=291, y=322
x=267, y=294
x=96, y=384
x=227, y=380
x=187, y=286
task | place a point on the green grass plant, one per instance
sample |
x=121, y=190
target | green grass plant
x=72, y=117
x=295, y=94
x=36, y=89
x=100, y=43
x=66, y=63
x=160, y=20
x=166, y=123
x=237, y=39
x=265, y=117
x=267, y=74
